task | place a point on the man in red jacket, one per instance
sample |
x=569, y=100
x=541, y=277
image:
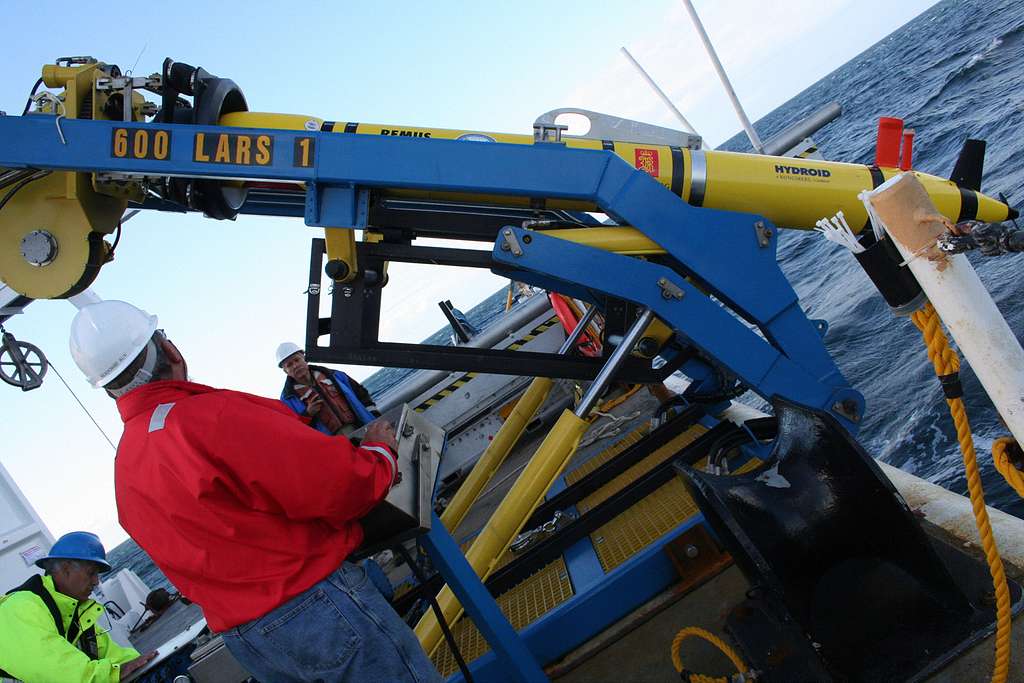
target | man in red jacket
x=248, y=511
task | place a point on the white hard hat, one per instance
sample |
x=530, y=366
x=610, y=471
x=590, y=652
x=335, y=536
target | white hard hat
x=286, y=349
x=107, y=336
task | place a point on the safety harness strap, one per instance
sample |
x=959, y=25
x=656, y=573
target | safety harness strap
x=88, y=641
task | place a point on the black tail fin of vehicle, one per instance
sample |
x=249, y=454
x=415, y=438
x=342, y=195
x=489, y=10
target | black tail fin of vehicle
x=969, y=165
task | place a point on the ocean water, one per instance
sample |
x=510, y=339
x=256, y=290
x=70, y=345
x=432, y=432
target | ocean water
x=953, y=72
x=478, y=316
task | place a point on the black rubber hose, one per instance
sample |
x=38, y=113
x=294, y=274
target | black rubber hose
x=762, y=428
x=28, y=104
x=21, y=184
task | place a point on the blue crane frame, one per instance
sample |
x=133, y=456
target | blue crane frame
x=729, y=255
x=723, y=257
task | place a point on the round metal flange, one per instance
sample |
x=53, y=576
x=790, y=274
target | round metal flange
x=39, y=247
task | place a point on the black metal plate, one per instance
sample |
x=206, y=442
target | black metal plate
x=848, y=580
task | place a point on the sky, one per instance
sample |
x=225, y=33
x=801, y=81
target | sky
x=228, y=292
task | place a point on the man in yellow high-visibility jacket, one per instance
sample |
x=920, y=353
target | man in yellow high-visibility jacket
x=49, y=622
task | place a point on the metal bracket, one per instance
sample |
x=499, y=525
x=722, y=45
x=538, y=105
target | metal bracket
x=848, y=409
x=607, y=127
x=153, y=83
x=510, y=243
x=764, y=234
x=354, y=326
x=548, y=132
x=669, y=289
x=332, y=205
x=407, y=511
x=77, y=59
x=528, y=539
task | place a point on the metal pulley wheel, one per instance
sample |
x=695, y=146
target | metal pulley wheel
x=22, y=364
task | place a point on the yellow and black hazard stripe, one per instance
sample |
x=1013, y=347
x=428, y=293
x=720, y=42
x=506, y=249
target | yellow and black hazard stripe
x=330, y=126
x=447, y=391
x=540, y=329
x=451, y=388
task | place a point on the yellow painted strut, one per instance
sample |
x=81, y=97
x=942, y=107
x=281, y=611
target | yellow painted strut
x=496, y=452
x=546, y=465
x=508, y=520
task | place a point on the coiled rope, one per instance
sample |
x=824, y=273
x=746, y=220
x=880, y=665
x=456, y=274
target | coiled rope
x=947, y=367
x=696, y=632
x=1004, y=463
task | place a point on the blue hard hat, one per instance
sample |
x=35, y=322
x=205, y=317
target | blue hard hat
x=78, y=545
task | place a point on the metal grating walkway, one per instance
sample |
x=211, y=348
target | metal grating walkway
x=614, y=543
x=646, y=521
x=522, y=605
x=678, y=443
x=607, y=454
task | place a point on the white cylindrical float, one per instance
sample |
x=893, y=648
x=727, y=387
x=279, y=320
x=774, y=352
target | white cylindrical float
x=912, y=221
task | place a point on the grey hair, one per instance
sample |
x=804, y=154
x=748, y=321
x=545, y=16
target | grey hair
x=51, y=564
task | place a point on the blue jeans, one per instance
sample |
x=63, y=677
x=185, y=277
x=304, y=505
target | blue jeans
x=340, y=629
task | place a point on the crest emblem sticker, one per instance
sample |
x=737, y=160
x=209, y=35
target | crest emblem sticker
x=646, y=160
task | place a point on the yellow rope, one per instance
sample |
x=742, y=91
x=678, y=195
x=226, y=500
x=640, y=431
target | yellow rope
x=1001, y=459
x=946, y=364
x=696, y=632
x=614, y=402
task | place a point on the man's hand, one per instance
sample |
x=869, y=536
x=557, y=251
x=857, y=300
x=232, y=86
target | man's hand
x=382, y=431
x=130, y=667
x=314, y=406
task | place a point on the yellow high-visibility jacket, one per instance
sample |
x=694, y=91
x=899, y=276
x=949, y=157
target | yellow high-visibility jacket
x=33, y=650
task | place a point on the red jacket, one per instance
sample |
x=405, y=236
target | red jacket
x=237, y=501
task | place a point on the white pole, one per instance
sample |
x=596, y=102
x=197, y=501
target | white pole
x=747, y=126
x=7, y=295
x=664, y=98
x=956, y=292
x=85, y=298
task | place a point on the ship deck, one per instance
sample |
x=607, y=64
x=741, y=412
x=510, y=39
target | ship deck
x=635, y=646
x=178, y=618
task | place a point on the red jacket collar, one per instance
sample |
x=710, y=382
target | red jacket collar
x=148, y=396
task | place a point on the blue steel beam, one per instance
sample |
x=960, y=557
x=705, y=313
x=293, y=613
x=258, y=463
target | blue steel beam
x=578, y=619
x=339, y=160
x=706, y=324
x=718, y=249
x=517, y=662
